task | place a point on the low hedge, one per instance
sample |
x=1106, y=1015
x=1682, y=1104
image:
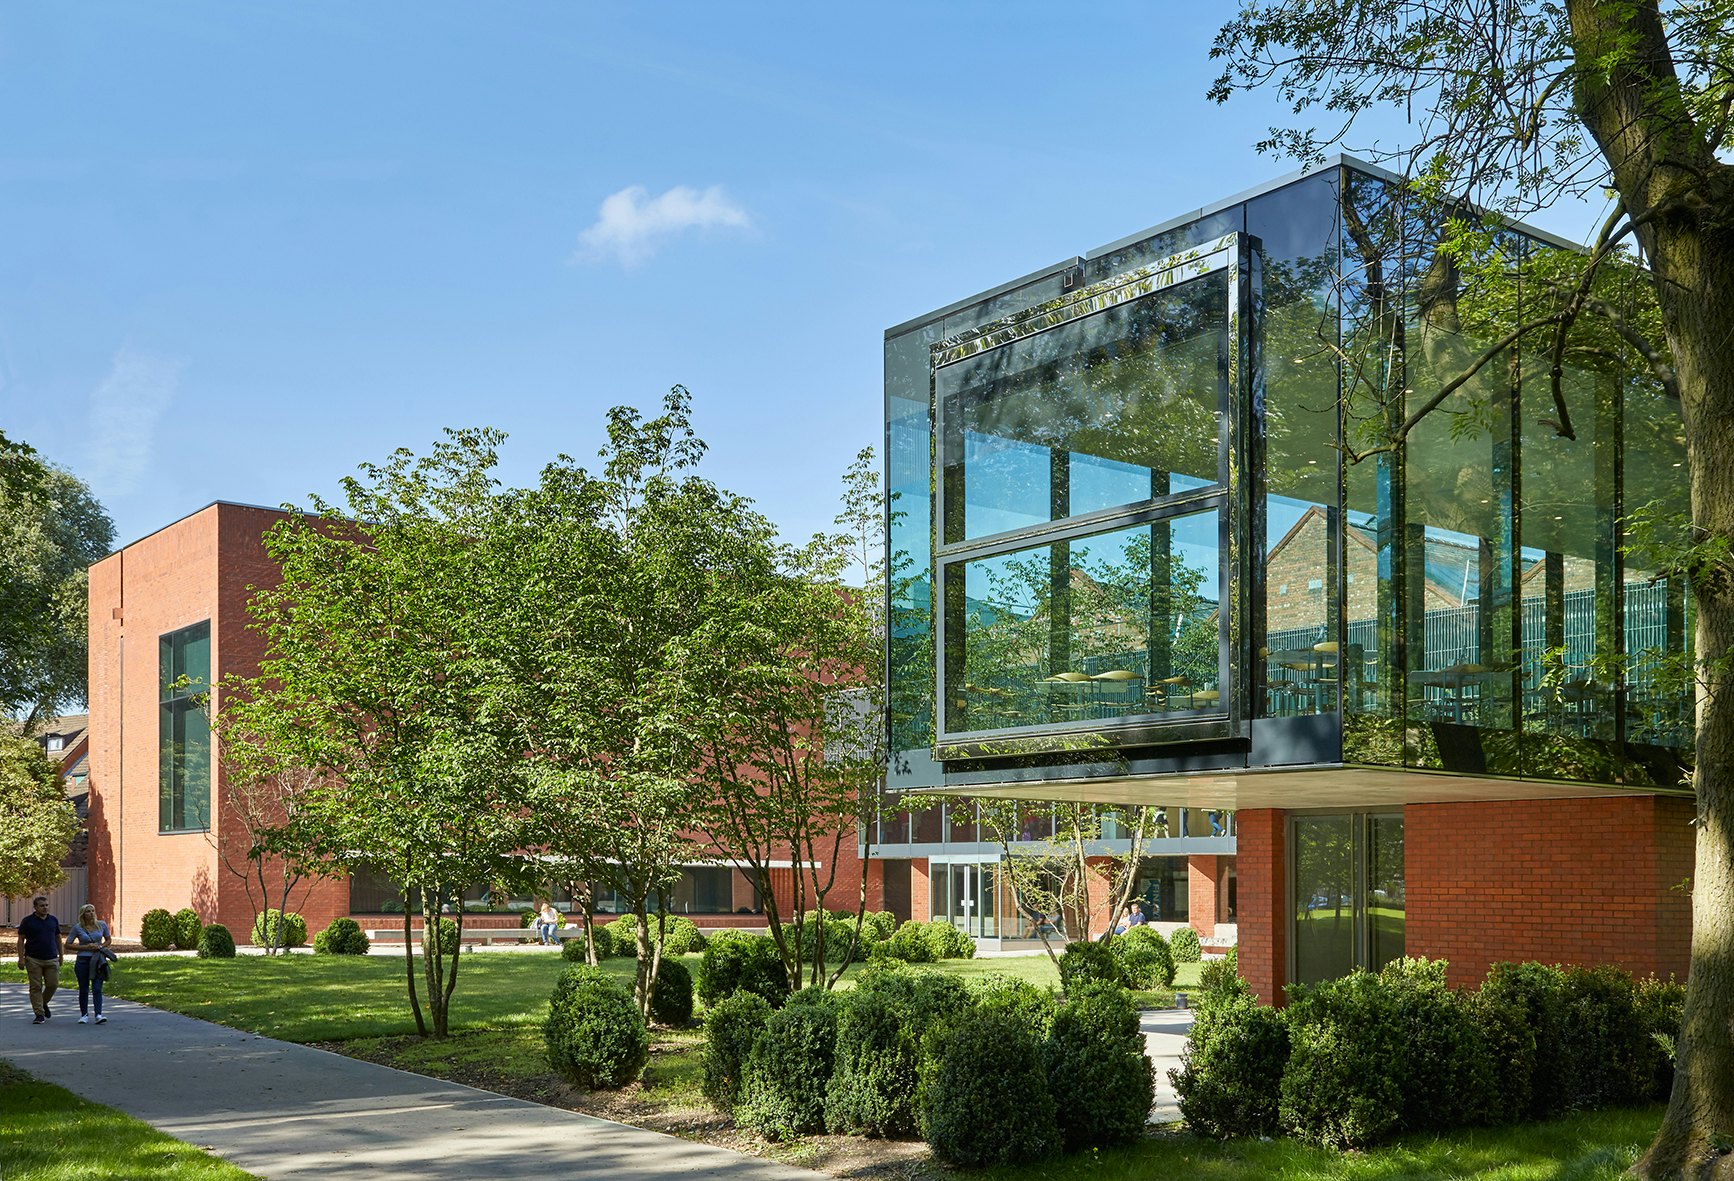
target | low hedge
x=789, y=1068
x=215, y=943
x=1145, y=958
x=671, y=999
x=276, y=928
x=1096, y=1052
x=878, y=1059
x=594, y=1033
x=730, y=1028
x=735, y=961
x=1185, y=945
x=983, y=1098
x=1087, y=962
x=343, y=937
x=683, y=936
x=1230, y=1076
x=157, y=930
x=188, y=928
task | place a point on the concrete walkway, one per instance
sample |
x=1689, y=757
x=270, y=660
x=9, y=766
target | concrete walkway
x=1165, y=1033
x=286, y=1111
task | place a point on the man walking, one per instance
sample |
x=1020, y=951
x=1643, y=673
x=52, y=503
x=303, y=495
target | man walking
x=41, y=947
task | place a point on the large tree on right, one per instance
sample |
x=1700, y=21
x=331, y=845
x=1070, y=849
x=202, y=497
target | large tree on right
x=1516, y=104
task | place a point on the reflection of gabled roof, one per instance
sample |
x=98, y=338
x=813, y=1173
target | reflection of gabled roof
x=67, y=740
x=1453, y=568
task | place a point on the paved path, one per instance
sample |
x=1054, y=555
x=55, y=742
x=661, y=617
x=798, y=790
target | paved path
x=1165, y=1033
x=286, y=1111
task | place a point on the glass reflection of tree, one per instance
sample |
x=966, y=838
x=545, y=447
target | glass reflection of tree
x=1116, y=603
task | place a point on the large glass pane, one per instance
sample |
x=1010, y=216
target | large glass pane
x=909, y=474
x=1386, y=906
x=1295, y=600
x=1106, y=410
x=1324, y=882
x=1120, y=624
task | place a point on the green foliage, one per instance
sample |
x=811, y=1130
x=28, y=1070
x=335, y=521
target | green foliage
x=187, y=929
x=908, y=943
x=872, y=1090
x=1374, y=1055
x=878, y=926
x=1535, y=994
x=731, y=1026
x=923, y=999
x=1661, y=1008
x=1087, y=962
x=789, y=1068
x=948, y=942
x=1230, y=1077
x=983, y=1098
x=736, y=961
x=683, y=937
x=1217, y=975
x=343, y=937
x=608, y=945
x=1145, y=957
x=272, y=928
x=594, y=1032
x=1185, y=945
x=998, y=992
x=157, y=930
x=215, y=943
x=447, y=934
x=1614, y=1060
x=37, y=822
x=51, y=531
x=839, y=931
x=1095, y=1057
x=671, y=1003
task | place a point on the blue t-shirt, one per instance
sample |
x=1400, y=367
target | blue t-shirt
x=94, y=935
x=41, y=937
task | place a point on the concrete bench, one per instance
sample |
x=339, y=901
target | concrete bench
x=475, y=936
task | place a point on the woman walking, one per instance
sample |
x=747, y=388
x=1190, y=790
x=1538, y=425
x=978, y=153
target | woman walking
x=90, y=939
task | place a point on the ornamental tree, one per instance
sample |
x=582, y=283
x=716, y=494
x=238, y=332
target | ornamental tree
x=37, y=821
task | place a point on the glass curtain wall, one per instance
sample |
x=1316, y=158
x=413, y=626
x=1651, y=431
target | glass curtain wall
x=1348, y=891
x=1082, y=458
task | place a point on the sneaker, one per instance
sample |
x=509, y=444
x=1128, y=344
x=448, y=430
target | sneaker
x=39, y=1019
x=84, y=1018
x=100, y=1019
x=46, y=1014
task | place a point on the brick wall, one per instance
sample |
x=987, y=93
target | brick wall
x=1204, y=886
x=1584, y=881
x=1261, y=867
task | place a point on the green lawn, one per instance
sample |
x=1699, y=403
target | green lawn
x=50, y=1134
x=1585, y=1147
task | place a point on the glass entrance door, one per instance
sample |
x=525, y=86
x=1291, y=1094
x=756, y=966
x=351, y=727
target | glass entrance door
x=963, y=895
x=1348, y=894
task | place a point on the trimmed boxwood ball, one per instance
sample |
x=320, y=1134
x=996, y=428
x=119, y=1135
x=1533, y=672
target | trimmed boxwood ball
x=293, y=929
x=157, y=930
x=983, y=1097
x=1145, y=961
x=187, y=929
x=1088, y=962
x=1007, y=994
x=683, y=935
x=735, y=961
x=1231, y=1074
x=948, y=942
x=447, y=933
x=1185, y=946
x=877, y=1062
x=671, y=1001
x=594, y=1033
x=343, y=937
x=730, y=1029
x=789, y=1069
x=1095, y=1053
x=908, y=943
x=1220, y=974
x=923, y=999
x=215, y=943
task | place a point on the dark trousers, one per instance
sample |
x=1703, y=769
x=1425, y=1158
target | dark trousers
x=86, y=970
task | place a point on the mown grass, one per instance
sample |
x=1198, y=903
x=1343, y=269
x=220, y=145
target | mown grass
x=1588, y=1146
x=49, y=1134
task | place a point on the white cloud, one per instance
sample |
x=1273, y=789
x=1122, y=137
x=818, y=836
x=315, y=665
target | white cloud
x=124, y=411
x=631, y=224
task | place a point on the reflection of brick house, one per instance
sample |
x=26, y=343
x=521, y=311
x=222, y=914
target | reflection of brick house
x=175, y=601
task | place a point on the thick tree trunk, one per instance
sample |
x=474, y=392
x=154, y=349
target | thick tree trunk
x=1682, y=198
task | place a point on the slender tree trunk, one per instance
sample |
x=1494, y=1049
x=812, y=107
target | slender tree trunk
x=409, y=969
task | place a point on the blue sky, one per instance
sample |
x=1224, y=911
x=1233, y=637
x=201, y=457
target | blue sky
x=246, y=247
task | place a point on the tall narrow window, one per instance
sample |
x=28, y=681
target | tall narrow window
x=184, y=734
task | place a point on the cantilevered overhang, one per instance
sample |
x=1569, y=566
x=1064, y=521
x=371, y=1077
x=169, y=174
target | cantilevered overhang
x=1339, y=787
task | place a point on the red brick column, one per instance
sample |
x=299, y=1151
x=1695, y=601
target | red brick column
x=1261, y=854
x=1203, y=888
x=920, y=894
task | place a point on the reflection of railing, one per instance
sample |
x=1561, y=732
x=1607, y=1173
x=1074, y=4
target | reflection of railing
x=1451, y=681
